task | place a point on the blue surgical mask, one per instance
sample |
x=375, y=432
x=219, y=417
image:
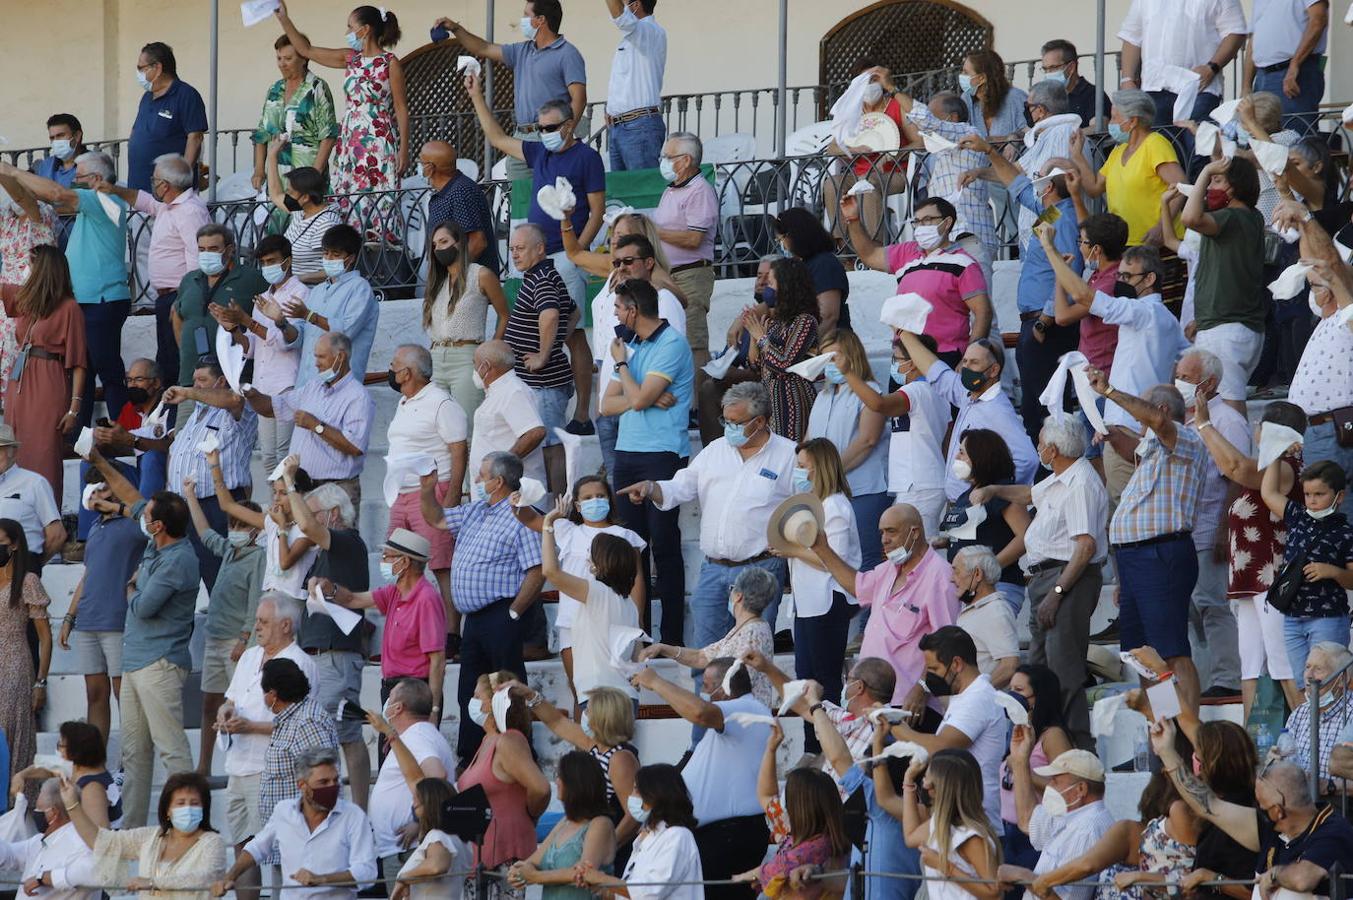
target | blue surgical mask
x=528, y=30
x=210, y=262
x=585, y=724
x=142, y=80
x=634, y=805
x=667, y=169
x=354, y=42
x=1058, y=77
x=895, y=371
x=274, y=274
x=240, y=538
x=596, y=509
x=62, y=149
x=328, y=375
x=735, y=435
x=802, y=483
x=387, y=571
x=552, y=140
x=964, y=81
x=1117, y=134
x=334, y=267
x=477, y=714
x=481, y=492
x=833, y=374
x=185, y=819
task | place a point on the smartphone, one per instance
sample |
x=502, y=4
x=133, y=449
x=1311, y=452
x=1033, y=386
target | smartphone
x=103, y=422
x=200, y=339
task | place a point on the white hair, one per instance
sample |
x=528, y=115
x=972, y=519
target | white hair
x=1065, y=434
x=331, y=496
x=1207, y=361
x=97, y=163
x=979, y=559
x=689, y=143
x=751, y=394
x=284, y=606
x=174, y=170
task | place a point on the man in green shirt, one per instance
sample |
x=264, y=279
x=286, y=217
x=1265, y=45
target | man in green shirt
x=220, y=279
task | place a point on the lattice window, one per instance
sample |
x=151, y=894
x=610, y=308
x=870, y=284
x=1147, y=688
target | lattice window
x=439, y=108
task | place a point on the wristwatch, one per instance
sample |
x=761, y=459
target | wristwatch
x=513, y=615
x=1213, y=66
x=319, y=429
x=1058, y=590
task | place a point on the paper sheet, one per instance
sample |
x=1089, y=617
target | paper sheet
x=1272, y=157
x=277, y=471
x=1103, y=713
x=1274, y=439
x=937, y=143
x=255, y=11
x=1290, y=282
x=208, y=444
x=231, y=357
x=1073, y=364
x=968, y=530
x=468, y=64
x=402, y=473
x=1205, y=141
x=344, y=618
x=1014, y=710
x=718, y=366
x=907, y=312
x=861, y=187
x=1164, y=700
x=1185, y=189
x=84, y=443
x=791, y=693
x=813, y=367
x=1056, y=170
x=582, y=455
x=530, y=493
x=1184, y=84
x=747, y=720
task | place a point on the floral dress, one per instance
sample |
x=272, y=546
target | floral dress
x=17, y=669
x=307, y=115
x=1159, y=853
x=367, y=152
x=791, y=396
x=18, y=236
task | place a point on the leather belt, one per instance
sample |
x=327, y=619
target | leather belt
x=700, y=264
x=1324, y=417
x=1046, y=565
x=39, y=353
x=450, y=343
x=632, y=115
x=1027, y=316
x=1278, y=67
x=733, y=563
x=1158, y=539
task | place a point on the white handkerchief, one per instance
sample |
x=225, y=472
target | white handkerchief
x=1056, y=170
x=861, y=187
x=402, y=473
x=159, y=416
x=1136, y=666
x=718, y=367
x=1074, y=365
x=502, y=700
x=813, y=367
x=1225, y=112
x=615, y=212
x=1289, y=235
x=1290, y=282
x=277, y=471
x=1345, y=252
x=255, y=11
x=968, y=530
x=209, y=443
x=890, y=714
x=1185, y=189
x=1104, y=712
x=747, y=720
x=936, y=143
x=1164, y=699
x=1184, y=84
x=621, y=648
x=530, y=493
x=111, y=209
x=553, y=199
x=1228, y=148
x=344, y=618
x=728, y=677
x=900, y=750
x=84, y=443
x=907, y=312
x=790, y=694
x=468, y=64
x=87, y=495
x=223, y=741
x=1205, y=141
x=1014, y=710
x=231, y=357
x=1272, y=157
x=1348, y=16
x=1274, y=439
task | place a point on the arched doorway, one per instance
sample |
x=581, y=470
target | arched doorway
x=439, y=108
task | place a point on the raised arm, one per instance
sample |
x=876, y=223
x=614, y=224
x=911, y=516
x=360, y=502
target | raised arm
x=501, y=140
x=598, y=264
x=229, y=505
x=572, y=585
x=276, y=191
x=1152, y=417
x=841, y=570
x=332, y=57
x=1237, y=821
x=834, y=748
x=123, y=489
x=314, y=530
x=1077, y=290
x=473, y=44
x=767, y=780
x=871, y=253
x=1195, y=213
x=1270, y=487
x=691, y=707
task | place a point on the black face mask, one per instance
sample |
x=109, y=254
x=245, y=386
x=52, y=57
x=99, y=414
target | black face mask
x=4, y=554
x=1125, y=290
x=938, y=685
x=446, y=256
x=392, y=380
x=625, y=333
x=137, y=395
x=40, y=821
x=292, y=204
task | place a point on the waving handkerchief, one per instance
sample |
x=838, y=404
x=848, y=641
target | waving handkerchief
x=727, y=685
x=1184, y=84
x=1272, y=157
x=747, y=720
x=791, y=693
x=901, y=750
x=254, y=11
x=111, y=208
x=277, y=471
x=1290, y=282
x=502, y=701
x=718, y=366
x=1289, y=235
x=209, y=443
x=87, y=495
x=402, y=472
x=1014, y=710
x=344, y=618
x=1103, y=713
x=615, y=212
x=1072, y=364
x=1056, y=170
x=890, y=714
x=849, y=107
x=1274, y=439
x=1225, y=112
x=530, y=493
x=1185, y=189
x=553, y=199
x=813, y=367
x=968, y=530
x=1205, y=141
x=907, y=312
x=861, y=187
x=620, y=645
x=936, y=143
x=231, y=357
x=468, y=64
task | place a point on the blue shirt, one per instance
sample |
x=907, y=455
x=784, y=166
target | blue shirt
x=493, y=552
x=1036, y=278
x=349, y=305
x=160, y=612
x=885, y=848
x=541, y=75
x=666, y=354
x=461, y=201
x=836, y=416
x=97, y=251
x=1008, y=120
x=50, y=167
x=113, y=550
x=990, y=409
x=162, y=126
x=583, y=168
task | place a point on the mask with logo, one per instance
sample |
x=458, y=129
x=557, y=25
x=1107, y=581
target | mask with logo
x=334, y=267
x=142, y=80
x=354, y=42
x=210, y=262
x=528, y=30
x=833, y=374
x=325, y=797
x=274, y=273
x=802, y=483
x=63, y=149
x=735, y=434
x=961, y=469
x=240, y=538
x=972, y=380
x=185, y=819
x=595, y=510
x=873, y=92
x=928, y=236
x=667, y=169
x=552, y=140
x=634, y=805
x=1054, y=804
x=446, y=256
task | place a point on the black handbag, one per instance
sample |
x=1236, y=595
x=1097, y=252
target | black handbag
x=1283, y=593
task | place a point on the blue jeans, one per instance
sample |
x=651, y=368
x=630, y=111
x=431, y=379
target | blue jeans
x=709, y=602
x=1155, y=589
x=868, y=508
x=1202, y=107
x=148, y=476
x=1013, y=594
x=820, y=652
x=1303, y=633
x=103, y=340
x=637, y=144
x=552, y=405
x=1299, y=112
x=575, y=279
x=608, y=429
x=1319, y=443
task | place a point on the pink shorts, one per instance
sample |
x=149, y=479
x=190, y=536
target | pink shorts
x=408, y=513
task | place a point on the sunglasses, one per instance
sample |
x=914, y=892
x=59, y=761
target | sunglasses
x=551, y=129
x=618, y=261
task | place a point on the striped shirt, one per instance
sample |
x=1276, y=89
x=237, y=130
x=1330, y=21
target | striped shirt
x=237, y=440
x=300, y=727
x=943, y=171
x=541, y=289
x=947, y=277
x=305, y=236
x=493, y=552
x=638, y=64
x=1162, y=495
x=344, y=405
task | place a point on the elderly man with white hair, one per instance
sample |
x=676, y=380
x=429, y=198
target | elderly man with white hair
x=1197, y=376
x=688, y=219
x=507, y=421
x=1324, y=661
x=985, y=615
x=55, y=862
x=1064, y=549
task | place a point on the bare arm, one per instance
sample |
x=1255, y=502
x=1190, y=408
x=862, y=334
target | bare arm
x=123, y=489
x=873, y=255
x=895, y=404
x=980, y=307
x=1270, y=487
x=493, y=289
x=577, y=96
x=1130, y=64
x=1237, y=821
x=767, y=781
x=1195, y=214
x=572, y=585
x=400, y=96
x=501, y=140
x=593, y=263
x=326, y=56
x=474, y=44
x=867, y=435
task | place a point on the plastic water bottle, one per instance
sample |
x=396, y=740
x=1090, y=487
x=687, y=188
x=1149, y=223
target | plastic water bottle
x=1263, y=740
x=1141, y=758
x=1286, y=745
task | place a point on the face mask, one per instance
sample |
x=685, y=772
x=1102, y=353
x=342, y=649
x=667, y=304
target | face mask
x=626, y=333
x=845, y=696
x=1091, y=264
x=241, y=538
x=387, y=570
x=596, y=509
x=964, y=81
x=446, y=256
x=667, y=169
x=928, y=236
x=62, y=150
x=585, y=724
x=1058, y=77
x=528, y=30
x=962, y=469
x=40, y=821
x=833, y=374
x=1319, y=514
x=938, y=685
x=1187, y=389
x=137, y=395
x=768, y=296
x=292, y=204
x=480, y=491
x=274, y=274
x=185, y=819
x=786, y=252
x=142, y=80
x=895, y=372
x=1045, y=463
x=328, y=375
x=478, y=381
x=145, y=529
x=1053, y=802
x=354, y=42
x=392, y=379
x=972, y=380
x=802, y=483
x=900, y=555
x=1217, y=198
x=334, y=267
x=1124, y=290
x=552, y=140
x=324, y=797
x=967, y=596
x=4, y=555
x=210, y=262
x=735, y=435
x=731, y=605
x=477, y=714
x=873, y=92
x=1117, y=134
x=634, y=805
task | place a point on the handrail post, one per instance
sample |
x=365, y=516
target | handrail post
x=857, y=880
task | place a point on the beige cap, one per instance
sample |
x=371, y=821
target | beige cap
x=1080, y=763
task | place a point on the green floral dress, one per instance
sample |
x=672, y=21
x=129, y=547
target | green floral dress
x=307, y=115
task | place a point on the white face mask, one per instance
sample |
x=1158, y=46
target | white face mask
x=873, y=92
x=478, y=380
x=1188, y=389
x=899, y=555
x=928, y=236
x=1319, y=514
x=961, y=468
x=1054, y=803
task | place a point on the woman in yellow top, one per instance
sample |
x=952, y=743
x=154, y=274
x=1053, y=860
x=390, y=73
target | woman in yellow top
x=1141, y=168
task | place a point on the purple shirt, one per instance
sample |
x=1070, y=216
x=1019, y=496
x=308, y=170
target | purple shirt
x=344, y=405
x=173, y=237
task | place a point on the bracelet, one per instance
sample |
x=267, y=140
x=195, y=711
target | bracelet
x=908, y=786
x=40, y=683
x=813, y=710
x=536, y=700
x=547, y=529
x=1202, y=425
x=72, y=806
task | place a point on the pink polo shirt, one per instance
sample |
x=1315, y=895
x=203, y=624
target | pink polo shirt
x=926, y=602
x=173, y=237
x=692, y=206
x=415, y=625
x=947, y=278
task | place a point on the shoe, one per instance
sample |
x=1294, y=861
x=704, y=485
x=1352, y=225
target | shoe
x=1217, y=692
x=784, y=641
x=581, y=429
x=1108, y=635
x=73, y=551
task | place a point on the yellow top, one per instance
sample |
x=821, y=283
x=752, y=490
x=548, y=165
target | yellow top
x=1134, y=188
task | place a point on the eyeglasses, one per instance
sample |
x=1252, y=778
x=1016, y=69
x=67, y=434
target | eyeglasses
x=1084, y=243
x=724, y=423
x=928, y=220
x=551, y=129
x=618, y=261
x=1057, y=68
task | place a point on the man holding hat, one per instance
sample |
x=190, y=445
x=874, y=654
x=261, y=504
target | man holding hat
x=27, y=498
x=414, y=642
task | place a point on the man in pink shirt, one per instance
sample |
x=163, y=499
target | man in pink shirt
x=911, y=594
x=178, y=212
x=687, y=218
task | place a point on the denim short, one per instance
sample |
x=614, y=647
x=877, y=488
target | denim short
x=552, y=405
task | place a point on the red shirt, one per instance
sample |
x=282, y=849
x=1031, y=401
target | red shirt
x=865, y=162
x=1257, y=539
x=130, y=417
x=1099, y=339
x=415, y=625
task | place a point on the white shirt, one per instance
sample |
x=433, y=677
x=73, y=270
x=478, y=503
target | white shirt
x=915, y=442
x=276, y=364
x=391, y=805
x=604, y=610
x=426, y=423
x=975, y=713
x=63, y=854
x=448, y=887
x=1068, y=505
x=717, y=772
x=246, y=753
x=1324, y=377
x=275, y=578
x=636, y=69
x=1063, y=838
x=1182, y=33
x=1212, y=498
x=1150, y=339
x=341, y=843
x=604, y=322
x=1278, y=27
x=991, y=625
x=736, y=496
x=26, y=497
x=573, y=543
x=508, y=412
x=664, y=855
x=812, y=588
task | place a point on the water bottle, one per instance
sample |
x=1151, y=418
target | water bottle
x=1263, y=740
x=1141, y=758
x=1286, y=745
